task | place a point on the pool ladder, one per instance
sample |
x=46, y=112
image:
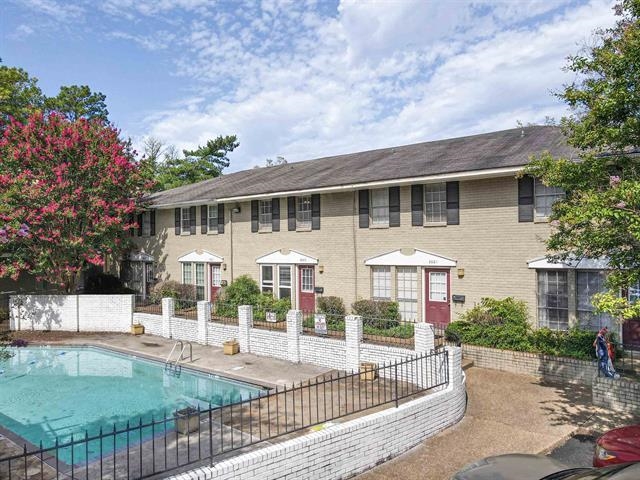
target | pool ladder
x=173, y=366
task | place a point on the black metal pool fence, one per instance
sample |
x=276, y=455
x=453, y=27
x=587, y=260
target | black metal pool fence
x=202, y=436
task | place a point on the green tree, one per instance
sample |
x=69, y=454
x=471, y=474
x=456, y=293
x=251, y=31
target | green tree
x=200, y=164
x=600, y=216
x=78, y=101
x=19, y=94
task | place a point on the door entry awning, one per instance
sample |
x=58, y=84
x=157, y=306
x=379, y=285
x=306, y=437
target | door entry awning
x=200, y=256
x=413, y=258
x=543, y=263
x=291, y=257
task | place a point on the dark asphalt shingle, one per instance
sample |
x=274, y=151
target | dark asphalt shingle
x=507, y=148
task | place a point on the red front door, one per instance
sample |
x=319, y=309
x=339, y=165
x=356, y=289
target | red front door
x=215, y=281
x=436, y=296
x=306, y=289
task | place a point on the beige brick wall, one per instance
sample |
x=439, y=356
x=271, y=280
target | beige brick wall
x=489, y=244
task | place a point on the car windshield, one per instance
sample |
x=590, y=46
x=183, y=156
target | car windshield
x=586, y=473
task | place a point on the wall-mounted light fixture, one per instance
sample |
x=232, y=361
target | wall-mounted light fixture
x=460, y=272
x=321, y=268
x=236, y=209
x=224, y=266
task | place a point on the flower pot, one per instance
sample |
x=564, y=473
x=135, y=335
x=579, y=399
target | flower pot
x=187, y=420
x=137, y=329
x=368, y=371
x=231, y=347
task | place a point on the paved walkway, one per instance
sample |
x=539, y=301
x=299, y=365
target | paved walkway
x=506, y=413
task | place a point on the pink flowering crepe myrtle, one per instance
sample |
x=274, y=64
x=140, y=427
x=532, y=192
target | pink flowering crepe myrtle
x=68, y=194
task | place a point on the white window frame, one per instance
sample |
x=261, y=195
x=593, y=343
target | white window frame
x=435, y=198
x=146, y=223
x=543, y=278
x=407, y=293
x=445, y=293
x=281, y=284
x=379, y=213
x=185, y=218
x=213, y=208
x=381, y=283
x=540, y=192
x=216, y=274
x=200, y=286
x=306, y=280
x=585, y=311
x=265, y=215
x=303, y=215
x=267, y=284
x=187, y=267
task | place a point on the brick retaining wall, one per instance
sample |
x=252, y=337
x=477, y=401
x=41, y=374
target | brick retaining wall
x=616, y=394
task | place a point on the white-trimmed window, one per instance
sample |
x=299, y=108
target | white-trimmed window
x=185, y=220
x=407, y=292
x=553, y=299
x=284, y=281
x=589, y=283
x=303, y=212
x=380, y=207
x=264, y=215
x=200, y=281
x=266, y=279
x=435, y=202
x=545, y=197
x=381, y=283
x=212, y=218
x=307, y=279
x=146, y=223
x=216, y=276
x=187, y=274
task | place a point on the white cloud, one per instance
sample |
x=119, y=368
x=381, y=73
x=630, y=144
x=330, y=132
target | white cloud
x=22, y=31
x=61, y=11
x=378, y=74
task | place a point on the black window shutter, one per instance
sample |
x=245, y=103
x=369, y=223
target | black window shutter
x=221, y=218
x=525, y=199
x=453, y=203
x=315, y=212
x=254, y=215
x=363, y=208
x=275, y=214
x=177, y=218
x=394, y=206
x=417, y=205
x=152, y=223
x=204, y=218
x=192, y=220
x=291, y=213
x=140, y=216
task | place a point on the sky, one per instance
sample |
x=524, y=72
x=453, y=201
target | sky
x=305, y=79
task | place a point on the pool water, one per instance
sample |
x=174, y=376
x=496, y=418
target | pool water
x=49, y=393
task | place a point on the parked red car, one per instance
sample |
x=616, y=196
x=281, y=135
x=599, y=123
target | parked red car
x=619, y=445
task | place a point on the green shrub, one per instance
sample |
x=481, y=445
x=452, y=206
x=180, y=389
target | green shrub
x=377, y=314
x=503, y=324
x=244, y=290
x=173, y=289
x=331, y=306
x=266, y=302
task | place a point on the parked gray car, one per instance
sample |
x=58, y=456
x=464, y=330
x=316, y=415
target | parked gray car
x=538, y=467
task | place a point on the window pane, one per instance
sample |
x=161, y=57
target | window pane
x=588, y=284
x=216, y=277
x=303, y=212
x=284, y=293
x=285, y=276
x=407, y=293
x=186, y=220
x=187, y=277
x=146, y=224
x=213, y=217
x=438, y=287
x=553, y=300
x=265, y=214
x=380, y=206
x=267, y=279
x=435, y=202
x=545, y=197
x=307, y=279
x=381, y=283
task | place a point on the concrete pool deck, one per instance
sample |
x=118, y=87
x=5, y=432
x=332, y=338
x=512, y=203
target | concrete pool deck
x=264, y=371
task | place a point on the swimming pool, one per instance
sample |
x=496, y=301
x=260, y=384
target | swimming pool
x=48, y=393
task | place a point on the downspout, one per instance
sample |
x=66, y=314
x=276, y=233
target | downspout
x=355, y=248
x=231, y=247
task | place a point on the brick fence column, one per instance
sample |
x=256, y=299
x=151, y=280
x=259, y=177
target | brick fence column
x=424, y=338
x=204, y=315
x=245, y=324
x=168, y=310
x=455, y=366
x=294, y=328
x=353, y=336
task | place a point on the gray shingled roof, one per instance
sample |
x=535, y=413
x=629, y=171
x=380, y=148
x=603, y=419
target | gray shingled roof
x=508, y=148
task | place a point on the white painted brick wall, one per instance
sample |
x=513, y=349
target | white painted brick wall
x=348, y=448
x=184, y=329
x=616, y=394
x=268, y=343
x=325, y=352
x=152, y=323
x=218, y=333
x=88, y=313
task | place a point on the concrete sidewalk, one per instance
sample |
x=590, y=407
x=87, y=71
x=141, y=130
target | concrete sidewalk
x=506, y=413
